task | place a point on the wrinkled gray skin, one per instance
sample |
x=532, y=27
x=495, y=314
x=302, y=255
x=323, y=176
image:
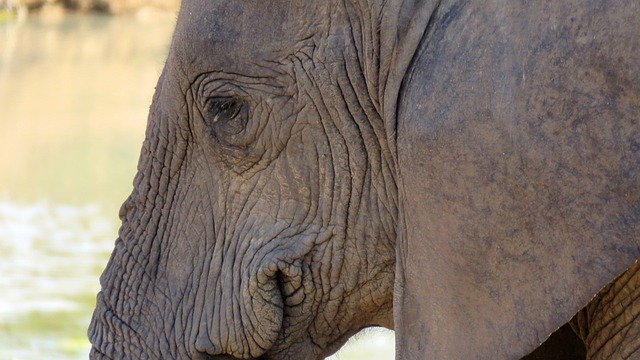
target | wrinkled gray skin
x=465, y=172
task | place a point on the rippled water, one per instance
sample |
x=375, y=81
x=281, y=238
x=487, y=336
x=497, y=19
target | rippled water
x=50, y=255
x=74, y=96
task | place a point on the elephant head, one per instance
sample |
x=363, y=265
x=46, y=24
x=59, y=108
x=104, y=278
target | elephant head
x=305, y=161
x=262, y=222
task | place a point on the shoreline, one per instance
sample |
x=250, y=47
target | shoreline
x=17, y=10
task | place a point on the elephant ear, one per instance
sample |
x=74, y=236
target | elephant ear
x=519, y=173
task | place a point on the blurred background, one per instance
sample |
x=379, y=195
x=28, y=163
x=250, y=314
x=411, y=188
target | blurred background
x=76, y=80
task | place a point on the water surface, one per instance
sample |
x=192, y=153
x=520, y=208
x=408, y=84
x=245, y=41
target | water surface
x=74, y=94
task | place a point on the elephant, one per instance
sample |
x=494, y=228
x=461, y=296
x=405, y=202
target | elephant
x=464, y=172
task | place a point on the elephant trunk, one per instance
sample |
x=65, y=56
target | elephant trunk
x=127, y=306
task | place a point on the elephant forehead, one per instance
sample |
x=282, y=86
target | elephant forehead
x=238, y=35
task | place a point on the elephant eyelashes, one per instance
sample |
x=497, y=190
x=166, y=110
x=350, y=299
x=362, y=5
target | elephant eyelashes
x=225, y=116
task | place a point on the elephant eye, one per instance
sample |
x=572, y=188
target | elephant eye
x=225, y=115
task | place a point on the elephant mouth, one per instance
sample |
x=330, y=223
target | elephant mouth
x=204, y=356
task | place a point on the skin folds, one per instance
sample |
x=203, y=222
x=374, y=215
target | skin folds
x=463, y=172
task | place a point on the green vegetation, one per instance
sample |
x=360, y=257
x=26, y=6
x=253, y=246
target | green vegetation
x=9, y=10
x=7, y=15
x=59, y=334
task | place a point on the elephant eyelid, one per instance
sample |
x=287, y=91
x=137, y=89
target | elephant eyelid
x=219, y=107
